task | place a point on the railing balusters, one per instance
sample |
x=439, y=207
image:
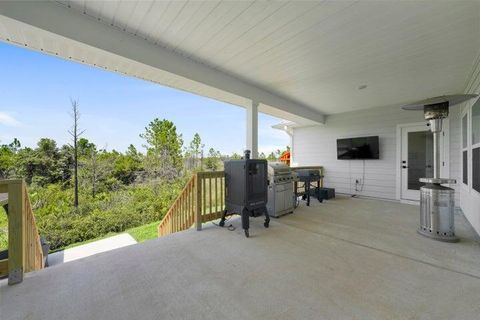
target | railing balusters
x=210, y=194
x=216, y=194
x=222, y=192
x=185, y=208
x=182, y=211
x=201, y=200
x=174, y=217
x=192, y=202
x=177, y=218
x=198, y=203
x=179, y=215
x=204, y=195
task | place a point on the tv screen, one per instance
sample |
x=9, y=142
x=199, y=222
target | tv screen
x=358, y=148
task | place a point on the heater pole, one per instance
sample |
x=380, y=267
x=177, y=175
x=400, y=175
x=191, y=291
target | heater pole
x=436, y=128
x=436, y=151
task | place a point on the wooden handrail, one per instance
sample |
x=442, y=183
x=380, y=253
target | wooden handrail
x=24, y=246
x=201, y=200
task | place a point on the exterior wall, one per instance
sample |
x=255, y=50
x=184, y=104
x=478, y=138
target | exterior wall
x=469, y=198
x=316, y=145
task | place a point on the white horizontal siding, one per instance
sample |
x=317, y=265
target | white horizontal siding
x=317, y=145
x=469, y=198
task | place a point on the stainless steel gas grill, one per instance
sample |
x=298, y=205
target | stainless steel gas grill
x=280, y=189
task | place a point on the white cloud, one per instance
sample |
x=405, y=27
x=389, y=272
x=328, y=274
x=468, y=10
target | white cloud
x=8, y=120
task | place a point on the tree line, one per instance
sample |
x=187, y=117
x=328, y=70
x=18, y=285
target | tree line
x=81, y=191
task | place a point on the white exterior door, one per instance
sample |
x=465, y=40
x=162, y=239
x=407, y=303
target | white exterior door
x=416, y=158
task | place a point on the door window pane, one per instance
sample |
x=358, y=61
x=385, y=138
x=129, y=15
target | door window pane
x=465, y=166
x=476, y=123
x=420, y=158
x=464, y=131
x=476, y=169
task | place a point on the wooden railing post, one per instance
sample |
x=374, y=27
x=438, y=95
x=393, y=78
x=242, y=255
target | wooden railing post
x=198, y=202
x=16, y=231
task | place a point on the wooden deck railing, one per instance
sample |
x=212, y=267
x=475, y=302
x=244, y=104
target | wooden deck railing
x=24, y=246
x=201, y=200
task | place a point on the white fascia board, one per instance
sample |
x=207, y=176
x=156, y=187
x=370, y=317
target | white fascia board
x=61, y=20
x=288, y=126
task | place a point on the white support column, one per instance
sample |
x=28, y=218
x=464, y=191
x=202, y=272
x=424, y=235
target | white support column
x=252, y=129
x=289, y=131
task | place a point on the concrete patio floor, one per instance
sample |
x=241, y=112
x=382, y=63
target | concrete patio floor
x=343, y=259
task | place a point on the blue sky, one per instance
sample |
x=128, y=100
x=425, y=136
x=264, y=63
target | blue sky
x=35, y=92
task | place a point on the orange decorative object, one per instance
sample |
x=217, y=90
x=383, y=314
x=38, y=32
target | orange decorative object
x=285, y=158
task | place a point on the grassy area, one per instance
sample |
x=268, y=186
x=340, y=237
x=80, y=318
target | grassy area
x=108, y=235
x=145, y=232
x=3, y=230
x=140, y=234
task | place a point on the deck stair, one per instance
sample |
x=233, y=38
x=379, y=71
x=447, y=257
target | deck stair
x=25, y=252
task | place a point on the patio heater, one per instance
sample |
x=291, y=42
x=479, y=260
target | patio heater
x=437, y=201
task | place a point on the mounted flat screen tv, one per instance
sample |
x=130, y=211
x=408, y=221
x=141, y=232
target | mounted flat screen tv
x=361, y=148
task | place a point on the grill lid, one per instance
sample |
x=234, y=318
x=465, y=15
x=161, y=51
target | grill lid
x=277, y=168
x=308, y=173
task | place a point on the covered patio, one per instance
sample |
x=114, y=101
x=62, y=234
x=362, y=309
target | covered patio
x=343, y=259
x=331, y=70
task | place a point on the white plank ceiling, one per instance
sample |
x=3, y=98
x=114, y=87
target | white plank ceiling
x=316, y=53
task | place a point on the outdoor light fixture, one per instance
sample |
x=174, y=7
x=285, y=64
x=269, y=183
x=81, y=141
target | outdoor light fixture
x=437, y=202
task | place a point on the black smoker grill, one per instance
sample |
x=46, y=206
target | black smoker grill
x=246, y=190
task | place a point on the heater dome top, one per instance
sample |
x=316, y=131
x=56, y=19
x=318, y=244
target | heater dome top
x=451, y=99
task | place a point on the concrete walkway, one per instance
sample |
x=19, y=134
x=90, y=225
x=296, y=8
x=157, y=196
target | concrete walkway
x=343, y=259
x=90, y=249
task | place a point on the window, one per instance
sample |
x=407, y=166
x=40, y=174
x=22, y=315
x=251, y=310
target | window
x=476, y=124
x=476, y=146
x=465, y=149
x=476, y=169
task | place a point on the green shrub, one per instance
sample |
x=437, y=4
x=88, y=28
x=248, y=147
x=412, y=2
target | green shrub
x=116, y=211
x=3, y=230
